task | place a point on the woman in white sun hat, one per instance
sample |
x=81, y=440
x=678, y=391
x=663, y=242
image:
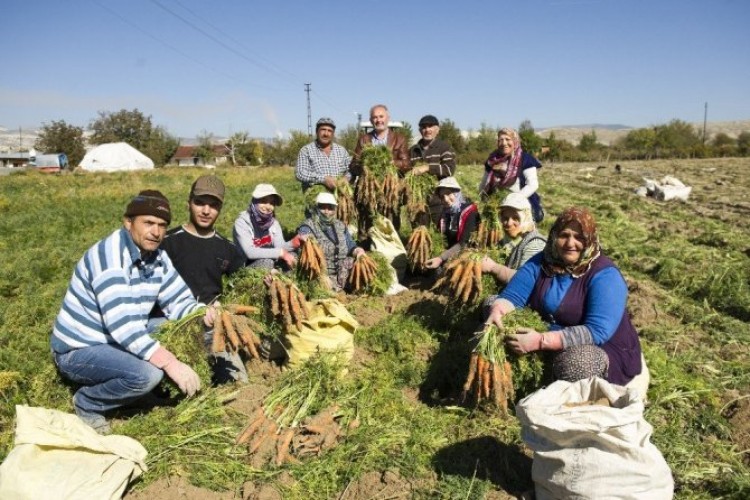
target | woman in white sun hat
x=521, y=238
x=258, y=234
x=334, y=239
x=460, y=218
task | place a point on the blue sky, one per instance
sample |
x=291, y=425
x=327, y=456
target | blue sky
x=227, y=66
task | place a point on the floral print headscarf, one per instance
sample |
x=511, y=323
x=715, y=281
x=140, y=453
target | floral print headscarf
x=553, y=264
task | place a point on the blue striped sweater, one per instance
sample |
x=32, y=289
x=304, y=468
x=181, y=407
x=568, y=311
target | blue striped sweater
x=111, y=294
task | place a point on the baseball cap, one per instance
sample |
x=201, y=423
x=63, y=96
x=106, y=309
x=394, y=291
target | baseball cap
x=448, y=183
x=208, y=185
x=326, y=199
x=517, y=201
x=428, y=121
x=263, y=190
x=325, y=121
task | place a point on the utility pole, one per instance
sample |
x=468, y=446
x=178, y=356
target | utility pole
x=20, y=140
x=705, y=115
x=309, y=114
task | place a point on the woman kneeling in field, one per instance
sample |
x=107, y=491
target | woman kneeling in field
x=460, y=218
x=339, y=248
x=521, y=238
x=582, y=295
x=257, y=233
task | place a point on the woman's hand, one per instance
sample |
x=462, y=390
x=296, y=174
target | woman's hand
x=433, y=263
x=488, y=265
x=525, y=340
x=358, y=252
x=268, y=278
x=288, y=257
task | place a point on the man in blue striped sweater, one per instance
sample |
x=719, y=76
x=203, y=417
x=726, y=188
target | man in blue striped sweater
x=100, y=338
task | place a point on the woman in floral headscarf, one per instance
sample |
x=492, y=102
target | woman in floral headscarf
x=337, y=244
x=511, y=168
x=582, y=295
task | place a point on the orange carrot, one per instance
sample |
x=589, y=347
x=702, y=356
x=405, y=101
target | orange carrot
x=282, y=447
x=252, y=427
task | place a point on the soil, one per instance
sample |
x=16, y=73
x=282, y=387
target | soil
x=717, y=191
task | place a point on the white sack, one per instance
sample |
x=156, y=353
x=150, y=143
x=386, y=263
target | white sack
x=592, y=451
x=56, y=455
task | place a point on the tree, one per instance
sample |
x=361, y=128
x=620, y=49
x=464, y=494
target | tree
x=743, y=143
x=640, y=142
x=137, y=130
x=723, y=144
x=677, y=138
x=451, y=134
x=530, y=141
x=60, y=137
x=588, y=142
x=348, y=138
x=479, y=145
x=235, y=143
x=205, y=148
x=407, y=132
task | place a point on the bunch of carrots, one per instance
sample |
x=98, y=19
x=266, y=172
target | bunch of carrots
x=288, y=303
x=419, y=248
x=462, y=278
x=345, y=210
x=234, y=331
x=363, y=273
x=490, y=374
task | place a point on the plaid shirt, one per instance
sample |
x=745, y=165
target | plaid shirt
x=313, y=165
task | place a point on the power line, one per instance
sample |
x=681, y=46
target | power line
x=177, y=50
x=235, y=41
x=216, y=40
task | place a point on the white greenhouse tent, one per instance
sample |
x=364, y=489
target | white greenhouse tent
x=115, y=157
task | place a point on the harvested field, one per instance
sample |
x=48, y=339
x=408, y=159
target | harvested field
x=687, y=265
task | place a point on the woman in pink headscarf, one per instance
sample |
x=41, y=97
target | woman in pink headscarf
x=510, y=167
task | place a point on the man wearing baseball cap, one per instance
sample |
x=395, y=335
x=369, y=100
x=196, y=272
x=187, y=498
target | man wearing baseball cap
x=100, y=338
x=203, y=257
x=432, y=156
x=322, y=161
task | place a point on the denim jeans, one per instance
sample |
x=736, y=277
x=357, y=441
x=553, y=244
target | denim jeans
x=110, y=377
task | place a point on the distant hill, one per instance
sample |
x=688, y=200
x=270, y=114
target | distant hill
x=607, y=134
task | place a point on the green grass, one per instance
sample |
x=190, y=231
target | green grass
x=697, y=347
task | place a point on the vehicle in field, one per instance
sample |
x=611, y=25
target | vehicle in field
x=49, y=163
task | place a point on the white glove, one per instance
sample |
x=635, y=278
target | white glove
x=182, y=375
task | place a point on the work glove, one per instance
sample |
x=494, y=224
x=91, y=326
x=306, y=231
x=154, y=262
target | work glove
x=182, y=375
x=525, y=340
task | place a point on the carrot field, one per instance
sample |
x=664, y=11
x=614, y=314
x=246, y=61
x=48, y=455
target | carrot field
x=687, y=265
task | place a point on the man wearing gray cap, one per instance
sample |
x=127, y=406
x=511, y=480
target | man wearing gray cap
x=202, y=256
x=322, y=161
x=432, y=156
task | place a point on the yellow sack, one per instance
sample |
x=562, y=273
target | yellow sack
x=56, y=455
x=385, y=239
x=330, y=328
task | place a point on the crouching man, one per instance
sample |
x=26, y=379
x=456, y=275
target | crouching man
x=100, y=338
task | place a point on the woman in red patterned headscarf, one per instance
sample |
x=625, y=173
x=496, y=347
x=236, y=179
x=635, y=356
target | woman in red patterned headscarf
x=512, y=169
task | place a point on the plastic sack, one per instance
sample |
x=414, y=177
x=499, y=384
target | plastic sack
x=587, y=450
x=385, y=239
x=330, y=328
x=56, y=455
